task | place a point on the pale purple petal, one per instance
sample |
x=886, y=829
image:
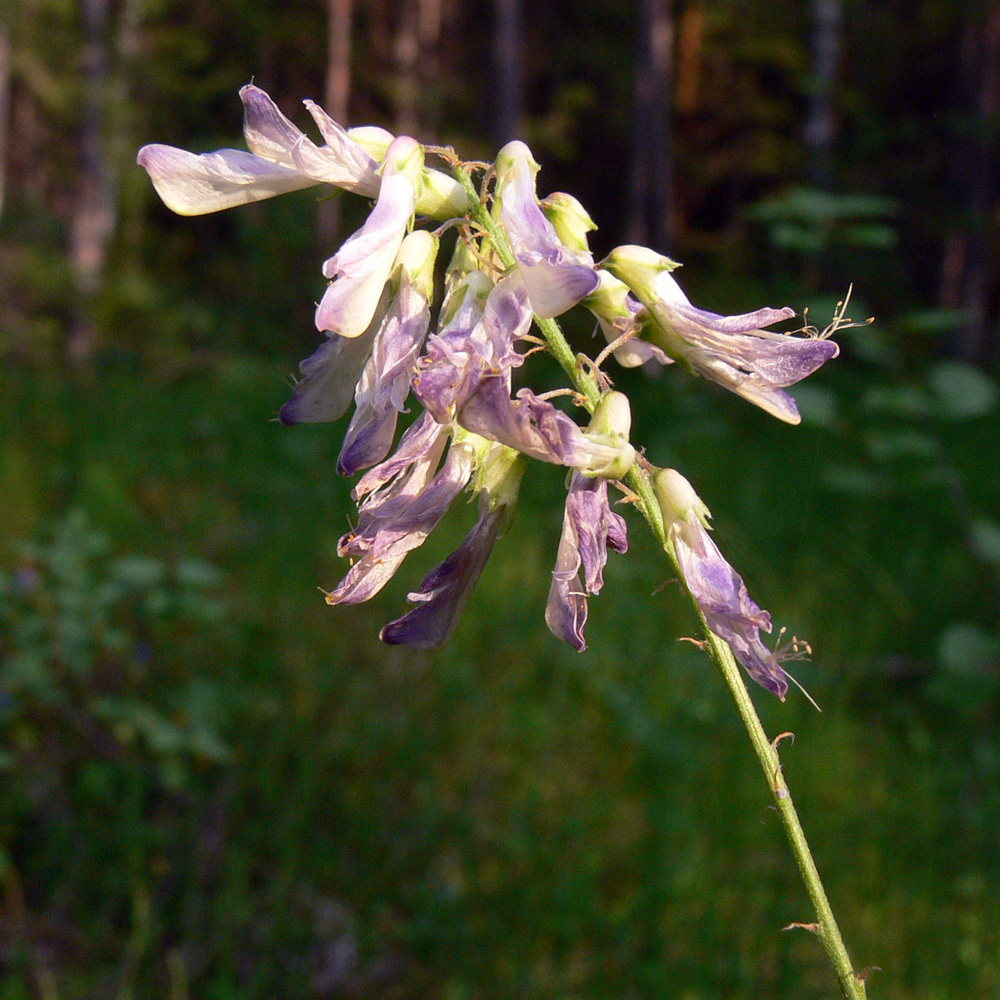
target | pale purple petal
x=566, y=607
x=191, y=184
x=388, y=531
x=419, y=441
x=385, y=382
x=729, y=610
x=363, y=264
x=472, y=346
x=555, y=276
x=589, y=527
x=330, y=375
x=267, y=131
x=531, y=425
x=445, y=590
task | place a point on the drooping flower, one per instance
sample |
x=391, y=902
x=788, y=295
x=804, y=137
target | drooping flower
x=716, y=587
x=361, y=267
x=534, y=427
x=555, y=276
x=400, y=506
x=589, y=527
x=445, y=590
x=330, y=374
x=282, y=158
x=385, y=381
x=735, y=351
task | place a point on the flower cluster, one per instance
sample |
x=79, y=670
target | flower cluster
x=517, y=260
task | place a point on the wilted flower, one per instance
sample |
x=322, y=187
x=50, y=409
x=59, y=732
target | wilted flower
x=734, y=351
x=534, y=427
x=480, y=325
x=401, y=505
x=589, y=527
x=444, y=591
x=717, y=588
x=555, y=276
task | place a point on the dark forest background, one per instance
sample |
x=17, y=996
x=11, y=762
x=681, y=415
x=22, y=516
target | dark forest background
x=214, y=786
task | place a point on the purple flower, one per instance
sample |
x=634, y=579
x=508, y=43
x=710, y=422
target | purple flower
x=405, y=502
x=618, y=312
x=362, y=266
x=534, y=427
x=717, y=588
x=476, y=339
x=282, y=158
x=589, y=527
x=330, y=374
x=446, y=589
x=555, y=276
x=385, y=382
x=734, y=351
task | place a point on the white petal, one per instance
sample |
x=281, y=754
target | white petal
x=191, y=184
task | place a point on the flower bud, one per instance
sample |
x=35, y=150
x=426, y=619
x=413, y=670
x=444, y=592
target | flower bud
x=678, y=500
x=610, y=426
x=570, y=219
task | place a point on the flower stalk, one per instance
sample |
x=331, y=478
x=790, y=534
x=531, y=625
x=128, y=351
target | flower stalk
x=518, y=261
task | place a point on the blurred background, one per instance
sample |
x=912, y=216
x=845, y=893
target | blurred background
x=215, y=786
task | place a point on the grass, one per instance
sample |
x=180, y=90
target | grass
x=238, y=792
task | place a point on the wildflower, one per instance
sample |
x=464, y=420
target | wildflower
x=385, y=381
x=361, y=267
x=282, y=158
x=734, y=351
x=589, y=527
x=400, y=504
x=480, y=324
x=618, y=312
x=716, y=587
x=445, y=590
x=555, y=276
x=534, y=427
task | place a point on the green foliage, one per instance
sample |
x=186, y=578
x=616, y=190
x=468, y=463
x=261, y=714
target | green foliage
x=272, y=804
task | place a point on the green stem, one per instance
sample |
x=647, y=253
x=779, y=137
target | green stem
x=638, y=480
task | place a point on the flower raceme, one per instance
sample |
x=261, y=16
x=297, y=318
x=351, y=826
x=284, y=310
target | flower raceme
x=476, y=432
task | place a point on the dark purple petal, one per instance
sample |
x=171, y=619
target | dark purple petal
x=445, y=590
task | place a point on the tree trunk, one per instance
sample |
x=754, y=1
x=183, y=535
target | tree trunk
x=966, y=274
x=507, y=60
x=819, y=128
x=336, y=100
x=93, y=219
x=4, y=107
x=651, y=201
